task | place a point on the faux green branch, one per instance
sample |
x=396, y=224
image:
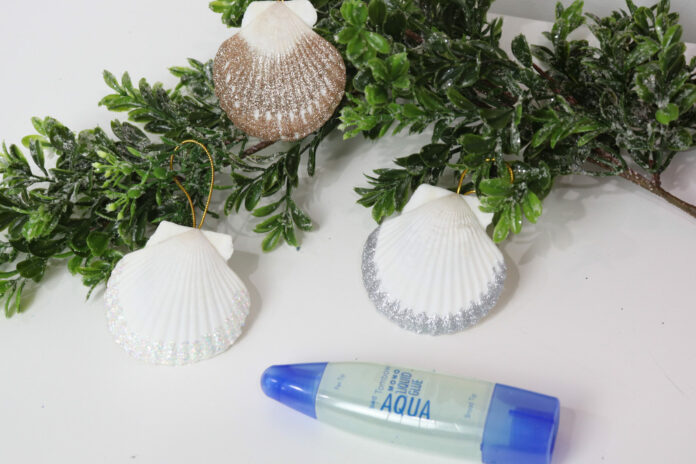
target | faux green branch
x=511, y=124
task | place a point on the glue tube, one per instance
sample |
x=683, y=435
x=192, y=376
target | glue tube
x=469, y=419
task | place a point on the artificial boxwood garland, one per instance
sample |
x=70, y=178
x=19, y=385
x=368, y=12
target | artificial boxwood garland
x=622, y=108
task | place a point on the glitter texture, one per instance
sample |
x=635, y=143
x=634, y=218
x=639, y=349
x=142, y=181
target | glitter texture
x=277, y=79
x=418, y=321
x=169, y=353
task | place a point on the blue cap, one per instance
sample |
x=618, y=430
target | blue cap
x=520, y=428
x=294, y=385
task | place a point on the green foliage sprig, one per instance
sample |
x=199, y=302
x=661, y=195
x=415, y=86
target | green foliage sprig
x=413, y=65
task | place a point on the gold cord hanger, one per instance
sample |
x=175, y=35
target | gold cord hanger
x=212, y=181
x=464, y=173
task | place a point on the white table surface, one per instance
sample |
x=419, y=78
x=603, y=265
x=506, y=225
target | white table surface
x=598, y=308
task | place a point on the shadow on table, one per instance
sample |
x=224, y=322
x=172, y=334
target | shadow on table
x=244, y=265
x=563, y=206
x=565, y=436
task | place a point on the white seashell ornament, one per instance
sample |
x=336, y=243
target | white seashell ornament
x=276, y=78
x=176, y=301
x=434, y=269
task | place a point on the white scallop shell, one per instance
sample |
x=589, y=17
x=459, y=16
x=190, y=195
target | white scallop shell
x=176, y=301
x=434, y=269
x=276, y=78
x=302, y=8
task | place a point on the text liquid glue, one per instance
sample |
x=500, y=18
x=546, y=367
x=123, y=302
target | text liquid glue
x=471, y=419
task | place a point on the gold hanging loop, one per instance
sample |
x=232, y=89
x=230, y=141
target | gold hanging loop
x=461, y=181
x=180, y=185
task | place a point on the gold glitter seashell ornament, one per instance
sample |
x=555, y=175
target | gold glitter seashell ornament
x=276, y=78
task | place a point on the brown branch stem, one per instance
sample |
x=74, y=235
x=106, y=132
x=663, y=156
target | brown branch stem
x=652, y=185
x=255, y=149
x=413, y=36
x=655, y=187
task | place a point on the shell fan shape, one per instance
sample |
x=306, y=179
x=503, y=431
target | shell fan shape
x=276, y=78
x=176, y=301
x=434, y=269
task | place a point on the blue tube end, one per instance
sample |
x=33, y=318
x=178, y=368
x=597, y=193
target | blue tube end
x=521, y=427
x=294, y=385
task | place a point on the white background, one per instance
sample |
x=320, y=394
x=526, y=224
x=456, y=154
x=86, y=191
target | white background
x=598, y=308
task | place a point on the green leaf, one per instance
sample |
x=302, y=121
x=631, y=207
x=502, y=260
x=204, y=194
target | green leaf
x=37, y=154
x=412, y=111
x=531, y=205
x=681, y=140
x=520, y=48
x=12, y=301
x=395, y=24
x=272, y=240
x=38, y=125
x=497, y=118
x=544, y=133
x=672, y=59
x=379, y=69
x=356, y=47
x=135, y=192
x=74, y=264
x=160, y=173
x=428, y=99
x=27, y=140
x=266, y=210
x=98, y=242
x=433, y=155
x=46, y=248
x=347, y=34
x=377, y=10
x=376, y=95
x=289, y=236
x=587, y=138
x=354, y=12
x=379, y=43
x=302, y=221
x=8, y=274
x=560, y=132
x=384, y=207
x=502, y=228
x=402, y=82
x=268, y=224
x=667, y=114
x=631, y=6
x=477, y=145
x=253, y=196
x=111, y=81
x=672, y=35
x=39, y=223
x=459, y=100
x=642, y=53
x=495, y=187
x=32, y=268
x=398, y=65
x=516, y=218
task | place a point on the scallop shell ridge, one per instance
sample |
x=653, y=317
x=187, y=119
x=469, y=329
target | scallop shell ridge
x=277, y=79
x=176, y=302
x=433, y=270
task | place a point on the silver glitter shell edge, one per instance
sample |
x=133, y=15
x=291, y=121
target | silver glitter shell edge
x=167, y=353
x=420, y=322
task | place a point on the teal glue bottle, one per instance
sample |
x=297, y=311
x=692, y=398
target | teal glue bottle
x=471, y=419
